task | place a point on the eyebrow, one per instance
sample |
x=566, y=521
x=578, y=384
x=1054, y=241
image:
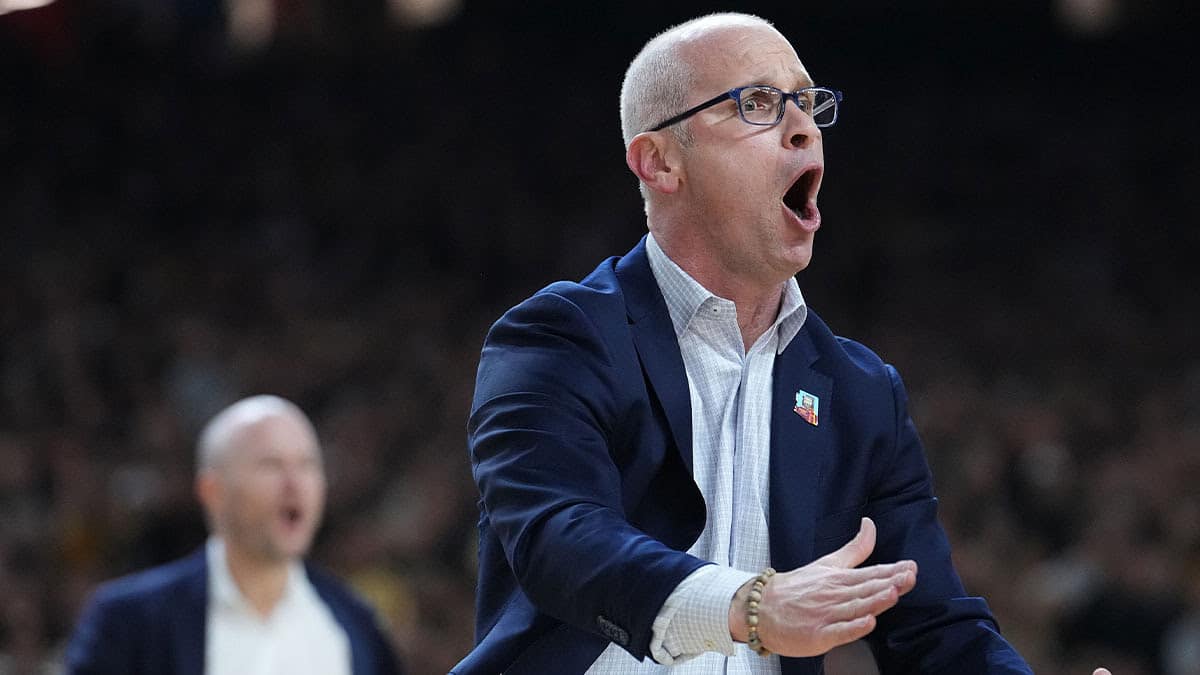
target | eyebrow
x=805, y=80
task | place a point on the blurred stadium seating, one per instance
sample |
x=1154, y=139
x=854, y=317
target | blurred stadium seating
x=336, y=209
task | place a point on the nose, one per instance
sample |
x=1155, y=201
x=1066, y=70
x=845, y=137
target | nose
x=290, y=481
x=293, y=476
x=800, y=131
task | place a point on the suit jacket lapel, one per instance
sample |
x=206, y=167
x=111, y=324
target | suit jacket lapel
x=797, y=448
x=657, y=346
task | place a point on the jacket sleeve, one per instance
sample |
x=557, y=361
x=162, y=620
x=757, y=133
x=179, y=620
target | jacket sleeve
x=546, y=409
x=935, y=628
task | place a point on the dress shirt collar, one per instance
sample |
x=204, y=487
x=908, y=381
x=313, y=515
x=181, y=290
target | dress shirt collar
x=684, y=296
x=224, y=590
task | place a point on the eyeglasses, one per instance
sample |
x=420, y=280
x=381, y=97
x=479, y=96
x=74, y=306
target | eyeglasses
x=762, y=106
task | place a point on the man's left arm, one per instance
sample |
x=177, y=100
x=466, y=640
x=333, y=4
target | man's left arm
x=936, y=627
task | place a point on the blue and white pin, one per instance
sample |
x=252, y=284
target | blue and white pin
x=806, y=406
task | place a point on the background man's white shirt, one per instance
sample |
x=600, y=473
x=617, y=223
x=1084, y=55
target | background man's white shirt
x=299, y=637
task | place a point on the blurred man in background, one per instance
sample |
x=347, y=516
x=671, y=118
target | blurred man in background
x=246, y=603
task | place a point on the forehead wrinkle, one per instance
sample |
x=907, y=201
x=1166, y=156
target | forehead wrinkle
x=760, y=49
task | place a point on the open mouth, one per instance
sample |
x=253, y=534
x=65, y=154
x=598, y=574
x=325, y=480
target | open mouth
x=292, y=515
x=801, y=197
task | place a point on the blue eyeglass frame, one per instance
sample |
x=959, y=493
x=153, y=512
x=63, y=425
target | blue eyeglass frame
x=735, y=95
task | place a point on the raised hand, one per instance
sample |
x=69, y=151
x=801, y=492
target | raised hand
x=828, y=602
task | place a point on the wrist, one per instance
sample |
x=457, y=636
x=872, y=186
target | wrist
x=744, y=612
x=753, y=599
x=738, y=629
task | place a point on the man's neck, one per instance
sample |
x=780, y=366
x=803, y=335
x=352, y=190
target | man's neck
x=262, y=582
x=757, y=301
x=757, y=305
x=756, y=314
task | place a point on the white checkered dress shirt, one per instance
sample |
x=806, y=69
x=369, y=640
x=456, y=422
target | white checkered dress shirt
x=731, y=443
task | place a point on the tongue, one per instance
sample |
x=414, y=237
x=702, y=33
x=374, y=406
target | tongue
x=808, y=216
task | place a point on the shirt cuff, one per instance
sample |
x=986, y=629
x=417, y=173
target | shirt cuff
x=695, y=617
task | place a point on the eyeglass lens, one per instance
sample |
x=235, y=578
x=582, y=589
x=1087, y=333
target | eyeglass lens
x=761, y=105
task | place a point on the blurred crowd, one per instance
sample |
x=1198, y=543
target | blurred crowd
x=339, y=220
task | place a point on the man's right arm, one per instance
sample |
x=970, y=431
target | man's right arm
x=546, y=408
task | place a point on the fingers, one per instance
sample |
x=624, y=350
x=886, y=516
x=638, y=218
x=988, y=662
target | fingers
x=838, y=586
x=865, y=581
x=907, y=578
x=873, y=605
x=902, y=574
x=875, y=596
x=857, y=550
x=845, y=632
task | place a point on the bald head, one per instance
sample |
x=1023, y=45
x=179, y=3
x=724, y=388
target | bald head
x=661, y=77
x=260, y=479
x=220, y=434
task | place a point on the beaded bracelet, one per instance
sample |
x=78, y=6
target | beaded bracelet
x=756, y=591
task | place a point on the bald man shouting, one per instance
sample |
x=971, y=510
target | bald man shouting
x=246, y=603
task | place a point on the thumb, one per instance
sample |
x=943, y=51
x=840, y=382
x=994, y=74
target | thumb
x=855, y=551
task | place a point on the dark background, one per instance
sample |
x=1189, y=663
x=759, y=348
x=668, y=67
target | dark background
x=337, y=214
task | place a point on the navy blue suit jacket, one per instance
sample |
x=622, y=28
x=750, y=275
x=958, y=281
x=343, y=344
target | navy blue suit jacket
x=581, y=441
x=153, y=623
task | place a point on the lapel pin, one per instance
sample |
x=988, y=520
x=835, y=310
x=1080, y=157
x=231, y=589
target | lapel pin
x=806, y=406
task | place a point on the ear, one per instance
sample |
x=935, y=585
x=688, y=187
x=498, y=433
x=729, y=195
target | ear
x=653, y=157
x=208, y=490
